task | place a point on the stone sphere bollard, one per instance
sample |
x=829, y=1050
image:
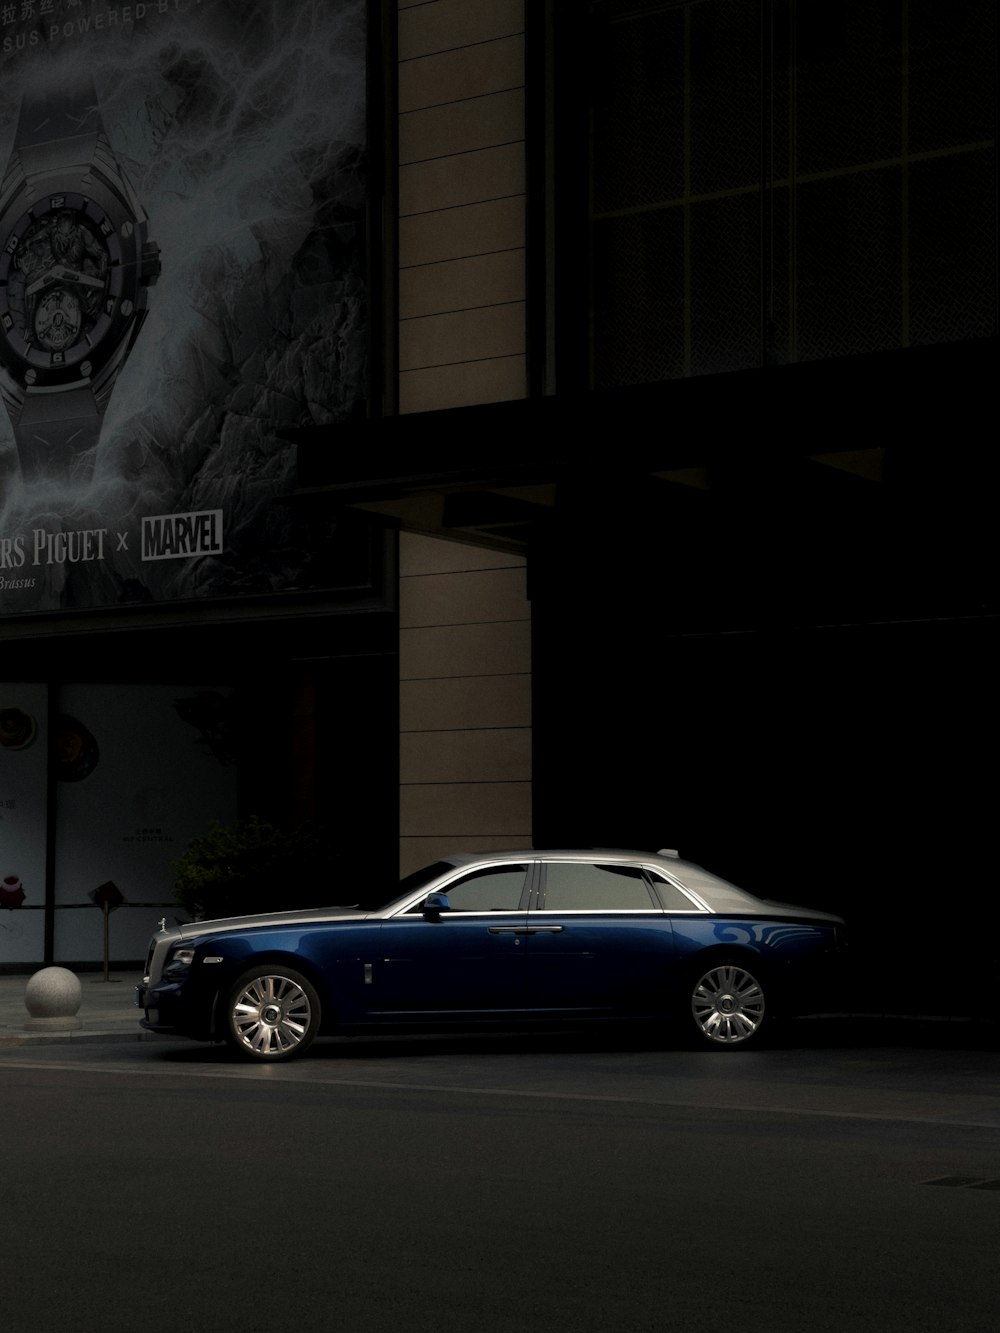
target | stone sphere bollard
x=52, y=998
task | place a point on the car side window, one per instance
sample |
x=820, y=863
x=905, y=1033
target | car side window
x=578, y=886
x=670, y=895
x=494, y=889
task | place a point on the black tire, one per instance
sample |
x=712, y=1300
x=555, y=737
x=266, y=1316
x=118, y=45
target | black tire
x=728, y=1004
x=271, y=1013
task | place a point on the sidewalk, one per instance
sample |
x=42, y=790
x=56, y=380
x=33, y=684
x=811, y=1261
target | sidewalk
x=107, y=1011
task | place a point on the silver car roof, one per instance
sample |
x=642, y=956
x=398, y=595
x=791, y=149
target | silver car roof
x=716, y=893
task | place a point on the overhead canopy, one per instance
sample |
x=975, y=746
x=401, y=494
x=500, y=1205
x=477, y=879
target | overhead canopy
x=887, y=446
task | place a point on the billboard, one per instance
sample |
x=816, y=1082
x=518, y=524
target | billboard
x=182, y=280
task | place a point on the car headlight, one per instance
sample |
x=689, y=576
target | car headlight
x=179, y=962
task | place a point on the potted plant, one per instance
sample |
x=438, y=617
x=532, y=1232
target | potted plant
x=253, y=866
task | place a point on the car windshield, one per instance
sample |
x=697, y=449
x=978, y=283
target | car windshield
x=416, y=879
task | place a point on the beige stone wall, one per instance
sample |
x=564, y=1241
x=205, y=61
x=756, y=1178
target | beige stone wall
x=465, y=628
x=465, y=700
x=461, y=202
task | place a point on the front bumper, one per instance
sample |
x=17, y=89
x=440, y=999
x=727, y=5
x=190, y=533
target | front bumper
x=168, y=1009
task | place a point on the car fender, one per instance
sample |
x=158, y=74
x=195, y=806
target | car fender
x=241, y=960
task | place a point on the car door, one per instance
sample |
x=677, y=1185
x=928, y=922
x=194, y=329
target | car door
x=466, y=960
x=598, y=941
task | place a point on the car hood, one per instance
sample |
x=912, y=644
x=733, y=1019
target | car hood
x=228, y=924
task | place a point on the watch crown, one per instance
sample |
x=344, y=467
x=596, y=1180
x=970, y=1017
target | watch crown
x=151, y=267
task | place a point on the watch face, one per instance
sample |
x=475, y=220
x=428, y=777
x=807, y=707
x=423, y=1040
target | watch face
x=67, y=291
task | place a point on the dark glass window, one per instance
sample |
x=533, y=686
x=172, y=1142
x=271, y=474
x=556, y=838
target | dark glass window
x=580, y=887
x=496, y=889
x=778, y=182
x=670, y=895
x=425, y=875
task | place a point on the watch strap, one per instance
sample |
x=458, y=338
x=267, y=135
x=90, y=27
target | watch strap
x=58, y=113
x=56, y=434
x=58, y=127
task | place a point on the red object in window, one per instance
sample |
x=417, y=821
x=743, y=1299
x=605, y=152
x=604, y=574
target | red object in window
x=11, y=891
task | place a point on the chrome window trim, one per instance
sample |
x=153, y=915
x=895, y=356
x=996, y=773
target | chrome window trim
x=460, y=911
x=698, y=906
x=490, y=912
x=598, y=911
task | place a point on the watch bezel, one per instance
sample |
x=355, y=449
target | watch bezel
x=123, y=234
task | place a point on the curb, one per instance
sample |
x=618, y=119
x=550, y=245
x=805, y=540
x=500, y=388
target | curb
x=10, y=1039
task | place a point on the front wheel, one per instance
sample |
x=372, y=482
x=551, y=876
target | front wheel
x=727, y=1004
x=272, y=1013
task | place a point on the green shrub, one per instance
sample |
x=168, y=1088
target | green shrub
x=253, y=866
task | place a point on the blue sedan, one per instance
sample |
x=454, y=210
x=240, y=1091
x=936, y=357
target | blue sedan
x=500, y=939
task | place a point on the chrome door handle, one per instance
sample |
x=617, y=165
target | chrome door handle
x=524, y=930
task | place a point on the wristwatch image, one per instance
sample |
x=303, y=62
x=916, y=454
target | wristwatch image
x=75, y=269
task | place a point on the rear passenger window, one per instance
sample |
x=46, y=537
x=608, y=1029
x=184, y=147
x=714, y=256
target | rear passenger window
x=579, y=887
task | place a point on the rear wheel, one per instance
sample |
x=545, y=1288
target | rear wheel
x=728, y=1004
x=272, y=1013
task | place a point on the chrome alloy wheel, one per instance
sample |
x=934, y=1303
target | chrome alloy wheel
x=727, y=1005
x=273, y=1015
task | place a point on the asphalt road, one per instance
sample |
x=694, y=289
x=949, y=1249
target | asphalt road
x=842, y=1180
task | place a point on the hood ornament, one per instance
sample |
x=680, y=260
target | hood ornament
x=163, y=923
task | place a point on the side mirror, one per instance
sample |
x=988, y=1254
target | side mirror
x=434, y=905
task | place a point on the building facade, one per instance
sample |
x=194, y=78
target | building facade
x=609, y=465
